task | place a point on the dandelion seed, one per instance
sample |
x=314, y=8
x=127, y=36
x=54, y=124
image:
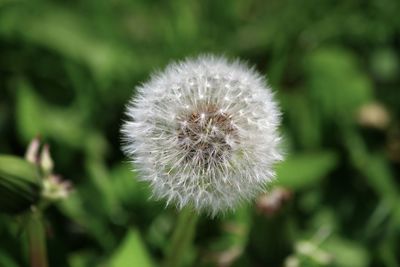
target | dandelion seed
x=221, y=143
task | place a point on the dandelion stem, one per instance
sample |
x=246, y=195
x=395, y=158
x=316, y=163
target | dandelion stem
x=37, y=240
x=182, y=238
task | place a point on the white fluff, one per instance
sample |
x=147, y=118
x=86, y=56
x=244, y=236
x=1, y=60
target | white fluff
x=204, y=133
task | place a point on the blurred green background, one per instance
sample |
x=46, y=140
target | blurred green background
x=67, y=68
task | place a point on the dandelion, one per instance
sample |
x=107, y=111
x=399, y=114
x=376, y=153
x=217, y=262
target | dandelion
x=204, y=133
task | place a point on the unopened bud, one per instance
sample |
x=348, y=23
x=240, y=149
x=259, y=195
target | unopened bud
x=32, y=151
x=46, y=162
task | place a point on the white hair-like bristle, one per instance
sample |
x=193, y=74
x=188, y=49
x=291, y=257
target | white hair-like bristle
x=204, y=133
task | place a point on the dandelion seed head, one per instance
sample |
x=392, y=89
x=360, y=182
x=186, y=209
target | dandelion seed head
x=204, y=133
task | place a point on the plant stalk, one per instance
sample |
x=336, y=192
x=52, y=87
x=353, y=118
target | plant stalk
x=37, y=240
x=182, y=238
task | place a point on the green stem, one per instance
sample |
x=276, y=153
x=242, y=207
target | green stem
x=182, y=238
x=37, y=240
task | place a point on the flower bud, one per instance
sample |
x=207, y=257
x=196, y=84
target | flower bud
x=46, y=162
x=32, y=151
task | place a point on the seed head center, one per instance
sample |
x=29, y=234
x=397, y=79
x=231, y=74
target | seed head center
x=206, y=134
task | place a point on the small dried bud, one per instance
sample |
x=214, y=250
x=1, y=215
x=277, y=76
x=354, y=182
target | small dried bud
x=46, y=162
x=32, y=151
x=269, y=204
x=373, y=115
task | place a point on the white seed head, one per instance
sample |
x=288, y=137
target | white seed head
x=204, y=133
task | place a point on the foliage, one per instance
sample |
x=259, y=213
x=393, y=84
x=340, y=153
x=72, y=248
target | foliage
x=67, y=68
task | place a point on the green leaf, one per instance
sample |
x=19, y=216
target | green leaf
x=19, y=184
x=303, y=170
x=374, y=167
x=126, y=185
x=132, y=252
x=304, y=123
x=346, y=253
x=35, y=116
x=61, y=30
x=379, y=176
x=80, y=210
x=336, y=84
x=5, y=260
x=385, y=64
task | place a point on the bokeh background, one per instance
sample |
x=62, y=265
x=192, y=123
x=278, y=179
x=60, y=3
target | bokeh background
x=67, y=68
